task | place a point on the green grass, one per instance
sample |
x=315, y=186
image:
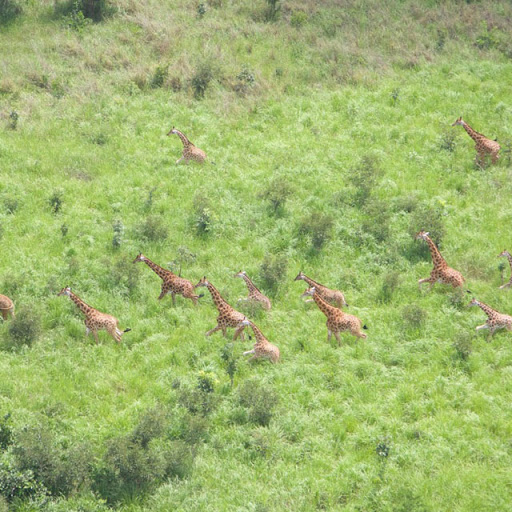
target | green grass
x=404, y=420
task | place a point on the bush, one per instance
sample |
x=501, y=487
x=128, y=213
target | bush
x=230, y=362
x=317, y=227
x=11, y=205
x=376, y=221
x=118, y=234
x=153, y=229
x=5, y=432
x=298, y=19
x=16, y=484
x=273, y=271
x=365, y=177
x=271, y=13
x=60, y=471
x=463, y=345
x=152, y=425
x=9, y=9
x=198, y=401
x=259, y=400
x=55, y=201
x=159, y=76
x=413, y=316
x=276, y=193
x=13, y=118
x=201, y=80
x=389, y=285
x=124, y=275
x=204, y=218
x=448, y=140
x=24, y=329
x=428, y=218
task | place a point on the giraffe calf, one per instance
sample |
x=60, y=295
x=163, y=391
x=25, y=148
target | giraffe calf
x=263, y=349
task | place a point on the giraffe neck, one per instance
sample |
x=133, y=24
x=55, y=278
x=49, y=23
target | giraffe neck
x=437, y=259
x=159, y=271
x=472, y=133
x=258, y=334
x=487, y=309
x=311, y=282
x=82, y=306
x=217, y=298
x=324, y=307
x=250, y=284
x=183, y=138
x=509, y=258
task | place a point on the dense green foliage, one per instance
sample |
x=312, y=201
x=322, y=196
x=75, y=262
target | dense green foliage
x=327, y=130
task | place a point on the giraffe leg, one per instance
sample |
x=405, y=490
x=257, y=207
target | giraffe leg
x=426, y=280
x=95, y=334
x=12, y=312
x=338, y=338
x=215, y=329
x=249, y=352
x=329, y=335
x=494, y=156
x=484, y=326
x=239, y=332
x=4, y=314
x=163, y=293
x=506, y=285
x=180, y=159
x=173, y=300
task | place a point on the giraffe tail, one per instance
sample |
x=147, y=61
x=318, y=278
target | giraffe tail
x=127, y=330
x=200, y=295
x=365, y=327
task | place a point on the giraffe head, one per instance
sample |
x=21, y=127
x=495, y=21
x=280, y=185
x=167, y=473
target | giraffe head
x=309, y=292
x=65, y=291
x=300, y=276
x=503, y=254
x=140, y=257
x=422, y=235
x=244, y=323
x=473, y=302
x=458, y=122
x=172, y=131
x=242, y=273
x=202, y=282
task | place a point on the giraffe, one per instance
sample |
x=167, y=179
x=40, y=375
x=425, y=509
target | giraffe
x=483, y=145
x=254, y=294
x=190, y=152
x=441, y=273
x=228, y=317
x=263, y=349
x=506, y=254
x=6, y=307
x=495, y=320
x=333, y=297
x=95, y=320
x=172, y=283
x=337, y=320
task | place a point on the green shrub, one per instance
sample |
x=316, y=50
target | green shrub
x=389, y=286
x=272, y=11
x=230, y=361
x=428, y=218
x=317, y=227
x=11, y=205
x=76, y=20
x=118, y=234
x=377, y=220
x=201, y=80
x=159, y=76
x=463, y=345
x=273, y=271
x=298, y=19
x=60, y=471
x=152, y=425
x=16, y=484
x=448, y=140
x=201, y=9
x=6, y=436
x=365, y=177
x=413, y=316
x=204, y=218
x=276, y=193
x=13, y=118
x=197, y=401
x=259, y=400
x=9, y=9
x=153, y=229
x=124, y=276
x=55, y=201
x=24, y=329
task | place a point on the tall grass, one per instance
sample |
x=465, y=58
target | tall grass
x=328, y=159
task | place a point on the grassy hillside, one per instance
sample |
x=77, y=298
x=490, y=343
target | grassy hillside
x=327, y=129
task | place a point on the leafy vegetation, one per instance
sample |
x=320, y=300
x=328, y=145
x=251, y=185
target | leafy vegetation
x=329, y=125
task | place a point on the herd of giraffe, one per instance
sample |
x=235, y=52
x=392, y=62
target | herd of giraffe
x=330, y=302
